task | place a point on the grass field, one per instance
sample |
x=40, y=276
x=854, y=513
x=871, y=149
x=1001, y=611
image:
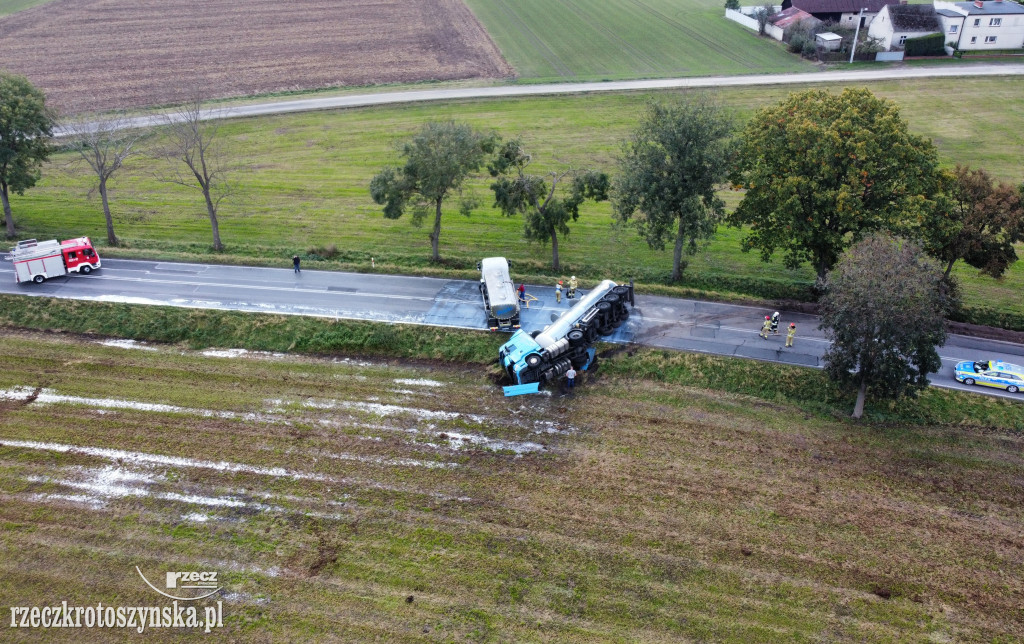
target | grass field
x=306, y=185
x=366, y=499
x=8, y=7
x=553, y=40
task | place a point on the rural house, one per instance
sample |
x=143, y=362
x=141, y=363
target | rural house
x=895, y=23
x=991, y=24
x=841, y=12
x=793, y=16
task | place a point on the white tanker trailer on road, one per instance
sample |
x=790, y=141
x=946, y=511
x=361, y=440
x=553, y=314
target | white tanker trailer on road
x=499, y=293
x=533, y=359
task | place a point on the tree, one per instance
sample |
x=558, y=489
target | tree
x=822, y=169
x=546, y=211
x=883, y=311
x=193, y=139
x=732, y=4
x=763, y=15
x=26, y=125
x=437, y=162
x=668, y=173
x=974, y=220
x=105, y=145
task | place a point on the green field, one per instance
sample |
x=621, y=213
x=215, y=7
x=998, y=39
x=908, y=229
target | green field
x=327, y=492
x=304, y=184
x=554, y=40
x=13, y=6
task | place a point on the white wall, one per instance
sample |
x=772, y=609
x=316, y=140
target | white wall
x=881, y=28
x=743, y=16
x=1009, y=34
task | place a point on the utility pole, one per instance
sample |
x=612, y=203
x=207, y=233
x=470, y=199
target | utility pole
x=853, y=47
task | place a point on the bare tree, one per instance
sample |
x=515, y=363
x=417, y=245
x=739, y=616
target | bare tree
x=105, y=145
x=191, y=137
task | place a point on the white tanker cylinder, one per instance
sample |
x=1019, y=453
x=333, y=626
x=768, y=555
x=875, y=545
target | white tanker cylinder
x=560, y=327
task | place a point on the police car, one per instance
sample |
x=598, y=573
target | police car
x=990, y=374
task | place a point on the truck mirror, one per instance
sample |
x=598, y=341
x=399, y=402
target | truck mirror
x=479, y=265
x=554, y=316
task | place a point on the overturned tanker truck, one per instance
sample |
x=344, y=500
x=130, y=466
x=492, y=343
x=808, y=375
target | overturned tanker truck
x=533, y=359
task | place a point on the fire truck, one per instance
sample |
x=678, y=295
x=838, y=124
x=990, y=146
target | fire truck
x=38, y=261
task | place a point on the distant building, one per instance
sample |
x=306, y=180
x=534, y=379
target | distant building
x=896, y=23
x=793, y=16
x=842, y=12
x=828, y=41
x=982, y=24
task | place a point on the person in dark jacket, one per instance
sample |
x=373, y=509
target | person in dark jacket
x=295, y=263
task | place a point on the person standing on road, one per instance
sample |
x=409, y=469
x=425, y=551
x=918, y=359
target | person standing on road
x=572, y=288
x=522, y=292
x=775, y=323
x=791, y=334
x=558, y=292
x=570, y=378
x=765, y=327
x=295, y=263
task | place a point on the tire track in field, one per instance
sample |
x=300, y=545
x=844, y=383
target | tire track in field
x=652, y=63
x=546, y=53
x=710, y=43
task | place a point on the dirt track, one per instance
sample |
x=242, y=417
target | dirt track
x=104, y=54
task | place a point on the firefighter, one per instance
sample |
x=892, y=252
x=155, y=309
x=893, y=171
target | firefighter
x=558, y=292
x=775, y=323
x=765, y=327
x=572, y=288
x=791, y=334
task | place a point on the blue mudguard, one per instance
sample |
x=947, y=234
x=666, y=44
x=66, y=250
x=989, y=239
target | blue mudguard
x=591, y=352
x=519, y=390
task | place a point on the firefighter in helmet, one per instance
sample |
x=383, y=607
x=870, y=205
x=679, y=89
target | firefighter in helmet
x=775, y=323
x=572, y=287
x=765, y=327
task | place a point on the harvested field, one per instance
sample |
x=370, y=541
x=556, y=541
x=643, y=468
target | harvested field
x=382, y=501
x=103, y=54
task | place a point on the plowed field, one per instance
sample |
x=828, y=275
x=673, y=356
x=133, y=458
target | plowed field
x=104, y=54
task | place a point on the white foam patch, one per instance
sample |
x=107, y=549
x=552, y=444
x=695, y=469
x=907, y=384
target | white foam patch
x=122, y=456
x=124, y=299
x=158, y=459
x=196, y=517
x=47, y=396
x=458, y=441
x=380, y=409
x=403, y=462
x=225, y=353
x=127, y=344
x=420, y=382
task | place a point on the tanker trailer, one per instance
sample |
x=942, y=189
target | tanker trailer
x=533, y=359
x=499, y=294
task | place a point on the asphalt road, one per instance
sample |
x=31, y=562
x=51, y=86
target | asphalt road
x=688, y=325
x=505, y=91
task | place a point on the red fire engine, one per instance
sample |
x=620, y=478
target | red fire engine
x=39, y=261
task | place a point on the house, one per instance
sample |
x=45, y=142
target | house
x=828, y=41
x=895, y=23
x=842, y=12
x=793, y=16
x=982, y=24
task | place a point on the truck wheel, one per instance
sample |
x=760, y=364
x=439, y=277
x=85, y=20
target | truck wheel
x=533, y=359
x=38, y=279
x=575, y=337
x=86, y=269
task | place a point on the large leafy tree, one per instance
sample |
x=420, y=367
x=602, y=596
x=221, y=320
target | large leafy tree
x=437, y=161
x=823, y=169
x=975, y=220
x=668, y=174
x=884, y=313
x=26, y=125
x=546, y=209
